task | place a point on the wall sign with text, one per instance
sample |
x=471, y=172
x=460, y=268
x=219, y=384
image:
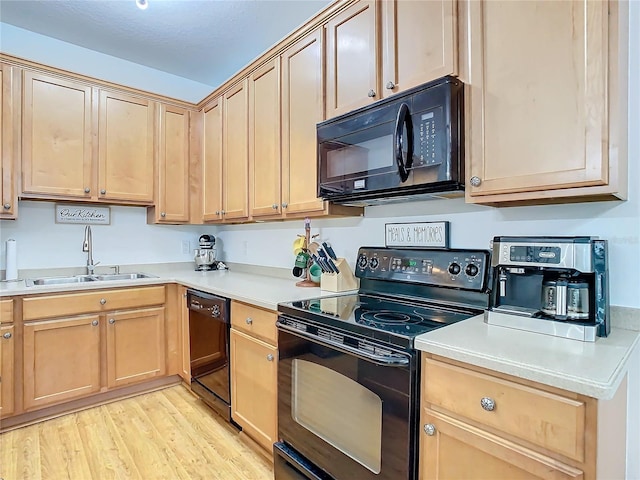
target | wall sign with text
x=83, y=214
x=420, y=234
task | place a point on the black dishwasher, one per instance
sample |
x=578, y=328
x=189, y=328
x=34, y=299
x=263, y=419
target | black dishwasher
x=209, y=325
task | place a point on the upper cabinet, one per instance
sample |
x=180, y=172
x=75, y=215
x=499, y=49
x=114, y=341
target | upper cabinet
x=264, y=140
x=543, y=110
x=126, y=129
x=302, y=109
x=172, y=191
x=57, y=158
x=212, y=161
x=9, y=138
x=419, y=43
x=352, y=58
x=60, y=119
x=235, y=153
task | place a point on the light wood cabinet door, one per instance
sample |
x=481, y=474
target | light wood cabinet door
x=235, y=153
x=135, y=346
x=61, y=360
x=212, y=161
x=172, y=203
x=264, y=140
x=254, y=377
x=419, y=43
x=7, y=365
x=352, y=58
x=126, y=148
x=9, y=135
x=56, y=137
x=302, y=109
x=538, y=103
x=455, y=450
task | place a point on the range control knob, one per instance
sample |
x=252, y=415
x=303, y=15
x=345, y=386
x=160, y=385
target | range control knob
x=454, y=269
x=471, y=270
x=363, y=262
x=373, y=263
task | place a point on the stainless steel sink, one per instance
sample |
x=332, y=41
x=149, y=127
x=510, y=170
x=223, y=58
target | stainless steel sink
x=85, y=278
x=123, y=276
x=59, y=280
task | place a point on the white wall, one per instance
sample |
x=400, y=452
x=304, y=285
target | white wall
x=49, y=51
x=41, y=243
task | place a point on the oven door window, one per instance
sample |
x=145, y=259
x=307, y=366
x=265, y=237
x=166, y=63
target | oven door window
x=339, y=410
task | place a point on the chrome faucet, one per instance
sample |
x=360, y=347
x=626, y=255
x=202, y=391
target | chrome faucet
x=87, y=246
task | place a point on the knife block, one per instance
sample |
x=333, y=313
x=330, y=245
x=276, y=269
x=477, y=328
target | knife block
x=340, y=282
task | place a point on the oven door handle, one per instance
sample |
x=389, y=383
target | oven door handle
x=383, y=360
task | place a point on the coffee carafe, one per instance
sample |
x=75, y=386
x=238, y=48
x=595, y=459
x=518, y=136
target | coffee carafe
x=205, y=256
x=553, y=285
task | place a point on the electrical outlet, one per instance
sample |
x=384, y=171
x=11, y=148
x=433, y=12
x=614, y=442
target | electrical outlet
x=185, y=247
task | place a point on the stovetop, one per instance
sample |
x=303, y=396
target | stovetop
x=404, y=293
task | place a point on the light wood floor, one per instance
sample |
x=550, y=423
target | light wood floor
x=167, y=434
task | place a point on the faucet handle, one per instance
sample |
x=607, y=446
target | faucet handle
x=116, y=268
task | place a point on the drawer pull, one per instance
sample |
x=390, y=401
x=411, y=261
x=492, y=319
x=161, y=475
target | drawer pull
x=430, y=429
x=249, y=320
x=103, y=301
x=488, y=404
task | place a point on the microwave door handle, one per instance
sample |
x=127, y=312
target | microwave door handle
x=404, y=118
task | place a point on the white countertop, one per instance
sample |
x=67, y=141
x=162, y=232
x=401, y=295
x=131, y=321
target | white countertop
x=260, y=290
x=594, y=369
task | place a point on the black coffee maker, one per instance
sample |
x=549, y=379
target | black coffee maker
x=553, y=285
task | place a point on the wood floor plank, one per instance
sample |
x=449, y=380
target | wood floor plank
x=61, y=450
x=99, y=435
x=164, y=435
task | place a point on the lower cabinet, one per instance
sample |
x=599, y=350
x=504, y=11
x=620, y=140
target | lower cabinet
x=61, y=360
x=7, y=364
x=135, y=346
x=254, y=372
x=478, y=424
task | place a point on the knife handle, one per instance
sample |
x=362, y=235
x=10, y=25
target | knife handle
x=329, y=250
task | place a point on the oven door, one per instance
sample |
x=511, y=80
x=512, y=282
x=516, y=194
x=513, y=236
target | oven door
x=346, y=405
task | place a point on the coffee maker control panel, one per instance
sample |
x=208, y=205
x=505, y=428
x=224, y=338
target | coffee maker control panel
x=553, y=253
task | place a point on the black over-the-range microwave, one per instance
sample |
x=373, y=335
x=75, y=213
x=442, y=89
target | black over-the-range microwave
x=406, y=147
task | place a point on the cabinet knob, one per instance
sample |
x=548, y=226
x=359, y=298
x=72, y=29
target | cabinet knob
x=163, y=214
x=7, y=335
x=7, y=206
x=430, y=429
x=217, y=212
x=103, y=192
x=475, y=181
x=87, y=190
x=488, y=404
x=371, y=94
x=94, y=323
x=274, y=206
x=222, y=212
x=112, y=321
x=249, y=320
x=285, y=205
x=270, y=357
x=390, y=85
x=103, y=301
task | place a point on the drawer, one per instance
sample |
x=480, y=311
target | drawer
x=49, y=306
x=545, y=419
x=255, y=321
x=6, y=310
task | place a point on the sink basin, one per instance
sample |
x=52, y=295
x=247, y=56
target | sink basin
x=59, y=280
x=85, y=278
x=123, y=276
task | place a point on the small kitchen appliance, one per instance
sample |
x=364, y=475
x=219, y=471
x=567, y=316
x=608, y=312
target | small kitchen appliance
x=205, y=256
x=553, y=285
x=348, y=372
x=405, y=147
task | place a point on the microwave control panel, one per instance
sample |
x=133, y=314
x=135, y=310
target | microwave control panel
x=446, y=268
x=428, y=126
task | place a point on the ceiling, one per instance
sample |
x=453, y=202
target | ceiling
x=203, y=40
